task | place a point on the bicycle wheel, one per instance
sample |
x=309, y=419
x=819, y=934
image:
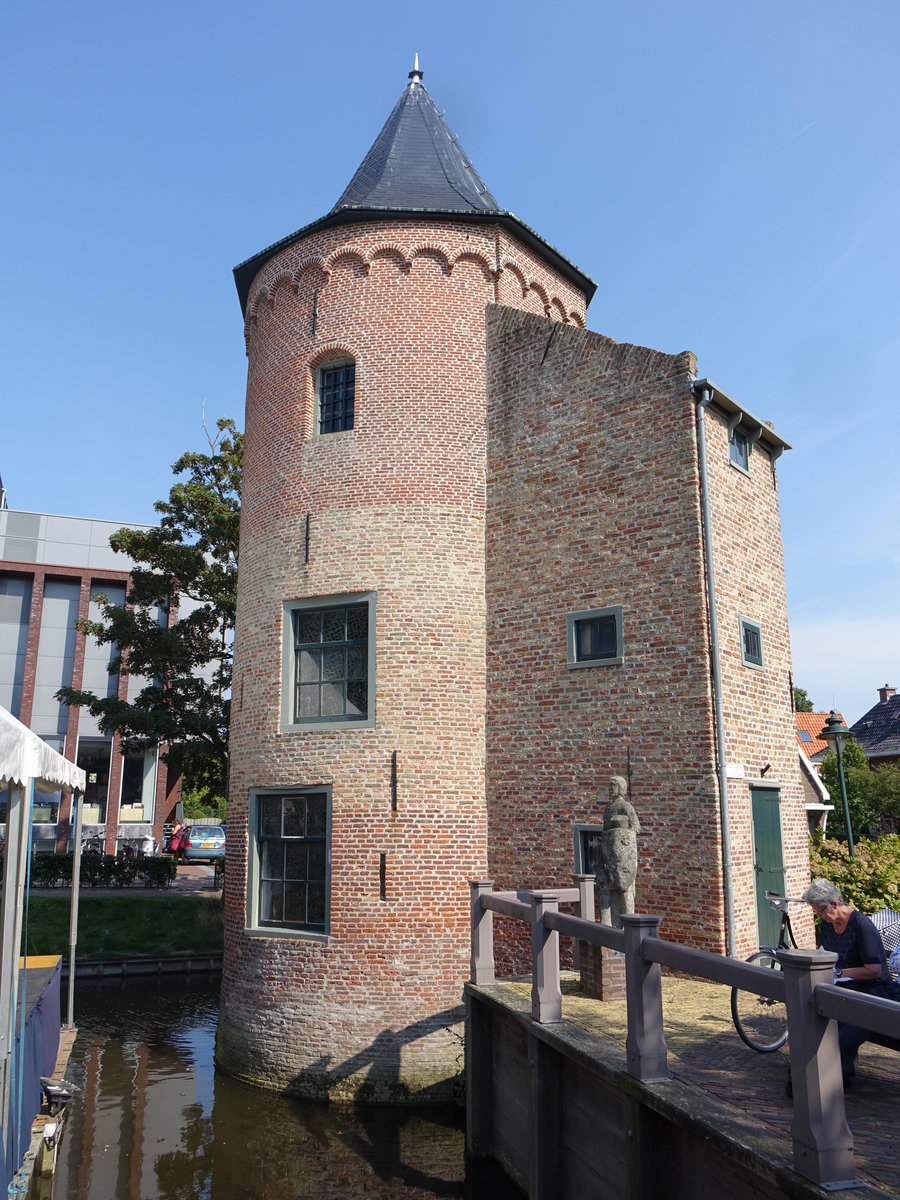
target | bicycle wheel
x=760, y=1021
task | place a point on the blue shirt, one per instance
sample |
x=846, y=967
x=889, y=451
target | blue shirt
x=859, y=945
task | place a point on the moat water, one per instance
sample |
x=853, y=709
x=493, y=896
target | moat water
x=153, y=1120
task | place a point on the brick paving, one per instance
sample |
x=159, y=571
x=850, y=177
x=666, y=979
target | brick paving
x=705, y=1052
x=194, y=877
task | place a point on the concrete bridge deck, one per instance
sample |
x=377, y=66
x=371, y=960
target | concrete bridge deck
x=706, y=1053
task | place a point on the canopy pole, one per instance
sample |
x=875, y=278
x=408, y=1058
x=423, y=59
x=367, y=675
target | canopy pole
x=18, y=829
x=77, y=801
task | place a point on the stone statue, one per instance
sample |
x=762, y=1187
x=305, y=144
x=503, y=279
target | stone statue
x=618, y=855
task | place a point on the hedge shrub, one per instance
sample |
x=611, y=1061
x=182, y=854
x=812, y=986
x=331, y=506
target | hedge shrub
x=871, y=880
x=103, y=871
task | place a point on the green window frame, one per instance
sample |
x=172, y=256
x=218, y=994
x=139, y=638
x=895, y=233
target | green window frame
x=751, y=643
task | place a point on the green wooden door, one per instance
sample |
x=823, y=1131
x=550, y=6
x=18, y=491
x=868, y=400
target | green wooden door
x=768, y=859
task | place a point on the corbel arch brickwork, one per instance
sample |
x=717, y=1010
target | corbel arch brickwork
x=519, y=278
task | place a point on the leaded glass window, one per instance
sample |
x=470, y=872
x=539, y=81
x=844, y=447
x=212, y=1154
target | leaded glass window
x=293, y=860
x=331, y=663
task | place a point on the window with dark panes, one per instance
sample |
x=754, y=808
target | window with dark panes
x=331, y=651
x=739, y=448
x=337, y=390
x=293, y=860
x=751, y=643
x=595, y=638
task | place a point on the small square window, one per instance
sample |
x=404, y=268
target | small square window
x=739, y=448
x=595, y=637
x=751, y=643
x=336, y=394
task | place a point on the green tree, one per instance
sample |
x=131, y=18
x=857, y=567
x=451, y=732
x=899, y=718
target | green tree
x=871, y=880
x=802, y=702
x=884, y=795
x=202, y=804
x=873, y=797
x=188, y=566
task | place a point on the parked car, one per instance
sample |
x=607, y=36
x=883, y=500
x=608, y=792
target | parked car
x=203, y=843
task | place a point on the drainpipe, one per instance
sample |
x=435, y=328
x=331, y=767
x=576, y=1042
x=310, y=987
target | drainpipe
x=703, y=394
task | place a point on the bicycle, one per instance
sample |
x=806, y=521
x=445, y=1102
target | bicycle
x=761, y=1021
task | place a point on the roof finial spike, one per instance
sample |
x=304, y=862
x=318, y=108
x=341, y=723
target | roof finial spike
x=415, y=74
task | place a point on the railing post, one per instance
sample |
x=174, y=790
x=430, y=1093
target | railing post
x=585, y=885
x=546, y=997
x=584, y=909
x=823, y=1144
x=481, y=962
x=645, y=1044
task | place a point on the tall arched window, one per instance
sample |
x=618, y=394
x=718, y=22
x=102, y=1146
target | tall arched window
x=335, y=393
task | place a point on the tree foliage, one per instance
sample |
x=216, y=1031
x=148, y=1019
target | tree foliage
x=871, y=880
x=802, y=702
x=187, y=566
x=884, y=796
x=202, y=804
x=873, y=797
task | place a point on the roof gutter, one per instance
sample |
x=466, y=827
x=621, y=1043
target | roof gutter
x=703, y=393
x=757, y=430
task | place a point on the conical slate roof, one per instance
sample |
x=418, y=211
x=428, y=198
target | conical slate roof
x=416, y=167
x=417, y=163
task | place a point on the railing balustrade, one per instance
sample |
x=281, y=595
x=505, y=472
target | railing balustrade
x=822, y=1142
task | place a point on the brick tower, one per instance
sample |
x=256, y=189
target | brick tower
x=358, y=719
x=489, y=558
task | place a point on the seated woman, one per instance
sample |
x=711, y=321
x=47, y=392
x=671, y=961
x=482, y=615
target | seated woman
x=861, y=964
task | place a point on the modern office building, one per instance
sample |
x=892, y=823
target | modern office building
x=52, y=569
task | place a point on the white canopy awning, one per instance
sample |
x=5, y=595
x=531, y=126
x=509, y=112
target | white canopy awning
x=23, y=757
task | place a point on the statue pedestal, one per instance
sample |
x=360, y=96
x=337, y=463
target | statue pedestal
x=602, y=972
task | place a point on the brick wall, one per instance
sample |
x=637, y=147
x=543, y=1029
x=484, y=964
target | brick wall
x=498, y=476
x=396, y=507
x=760, y=728
x=593, y=501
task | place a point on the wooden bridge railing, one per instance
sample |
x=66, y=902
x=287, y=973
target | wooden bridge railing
x=822, y=1142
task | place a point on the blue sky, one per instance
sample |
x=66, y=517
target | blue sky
x=728, y=173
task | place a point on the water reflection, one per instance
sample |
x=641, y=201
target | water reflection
x=155, y=1122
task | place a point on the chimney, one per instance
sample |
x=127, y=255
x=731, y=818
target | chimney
x=885, y=693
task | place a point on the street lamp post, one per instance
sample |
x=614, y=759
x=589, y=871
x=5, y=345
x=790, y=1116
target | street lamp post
x=836, y=735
